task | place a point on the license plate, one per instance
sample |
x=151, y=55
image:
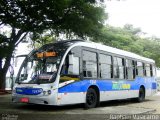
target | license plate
x=24, y=100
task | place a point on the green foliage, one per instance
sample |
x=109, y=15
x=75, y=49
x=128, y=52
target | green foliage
x=128, y=38
x=77, y=17
x=42, y=39
x=3, y=45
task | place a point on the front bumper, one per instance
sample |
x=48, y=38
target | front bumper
x=44, y=100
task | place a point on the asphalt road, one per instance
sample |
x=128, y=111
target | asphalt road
x=112, y=110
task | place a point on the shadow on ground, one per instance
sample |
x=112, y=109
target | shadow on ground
x=48, y=108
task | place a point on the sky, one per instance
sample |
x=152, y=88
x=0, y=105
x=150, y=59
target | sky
x=144, y=14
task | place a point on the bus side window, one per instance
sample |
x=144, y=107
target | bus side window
x=153, y=70
x=134, y=68
x=148, y=71
x=71, y=66
x=119, y=68
x=140, y=69
x=89, y=64
x=144, y=70
x=115, y=68
x=105, y=66
x=130, y=72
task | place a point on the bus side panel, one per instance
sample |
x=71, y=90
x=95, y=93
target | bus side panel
x=149, y=84
x=71, y=98
x=73, y=93
x=109, y=89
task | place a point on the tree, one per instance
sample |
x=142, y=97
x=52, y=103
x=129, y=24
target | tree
x=128, y=38
x=79, y=17
x=131, y=29
x=39, y=40
x=116, y=37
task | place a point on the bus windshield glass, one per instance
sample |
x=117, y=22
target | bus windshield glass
x=39, y=70
x=41, y=65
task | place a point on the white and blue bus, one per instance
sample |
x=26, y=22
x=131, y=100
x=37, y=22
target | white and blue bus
x=75, y=71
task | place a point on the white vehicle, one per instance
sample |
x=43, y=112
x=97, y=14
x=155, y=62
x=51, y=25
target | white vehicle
x=74, y=71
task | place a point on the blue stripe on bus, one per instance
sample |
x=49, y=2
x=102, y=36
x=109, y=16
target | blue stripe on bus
x=29, y=91
x=109, y=85
x=154, y=85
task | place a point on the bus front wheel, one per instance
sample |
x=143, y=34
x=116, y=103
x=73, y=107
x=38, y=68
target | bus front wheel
x=91, y=98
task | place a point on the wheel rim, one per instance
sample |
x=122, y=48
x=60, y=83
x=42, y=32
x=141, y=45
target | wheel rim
x=91, y=98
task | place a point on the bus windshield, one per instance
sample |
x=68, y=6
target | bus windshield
x=41, y=65
x=39, y=70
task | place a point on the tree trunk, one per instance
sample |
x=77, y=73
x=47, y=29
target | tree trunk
x=3, y=71
x=2, y=76
x=14, y=40
x=2, y=80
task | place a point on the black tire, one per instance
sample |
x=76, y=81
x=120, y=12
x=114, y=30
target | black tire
x=141, y=96
x=91, y=99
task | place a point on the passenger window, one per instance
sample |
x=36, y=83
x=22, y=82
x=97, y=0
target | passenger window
x=148, y=71
x=153, y=70
x=89, y=64
x=118, y=68
x=105, y=66
x=130, y=69
x=144, y=70
x=115, y=68
x=140, y=69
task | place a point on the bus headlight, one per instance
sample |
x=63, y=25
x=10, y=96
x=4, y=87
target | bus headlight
x=47, y=92
x=44, y=92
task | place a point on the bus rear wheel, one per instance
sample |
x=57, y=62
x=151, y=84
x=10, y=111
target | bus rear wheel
x=91, y=98
x=141, y=96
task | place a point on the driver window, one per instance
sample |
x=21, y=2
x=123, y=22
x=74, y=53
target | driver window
x=71, y=65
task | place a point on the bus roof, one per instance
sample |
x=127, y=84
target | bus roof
x=113, y=50
x=98, y=46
